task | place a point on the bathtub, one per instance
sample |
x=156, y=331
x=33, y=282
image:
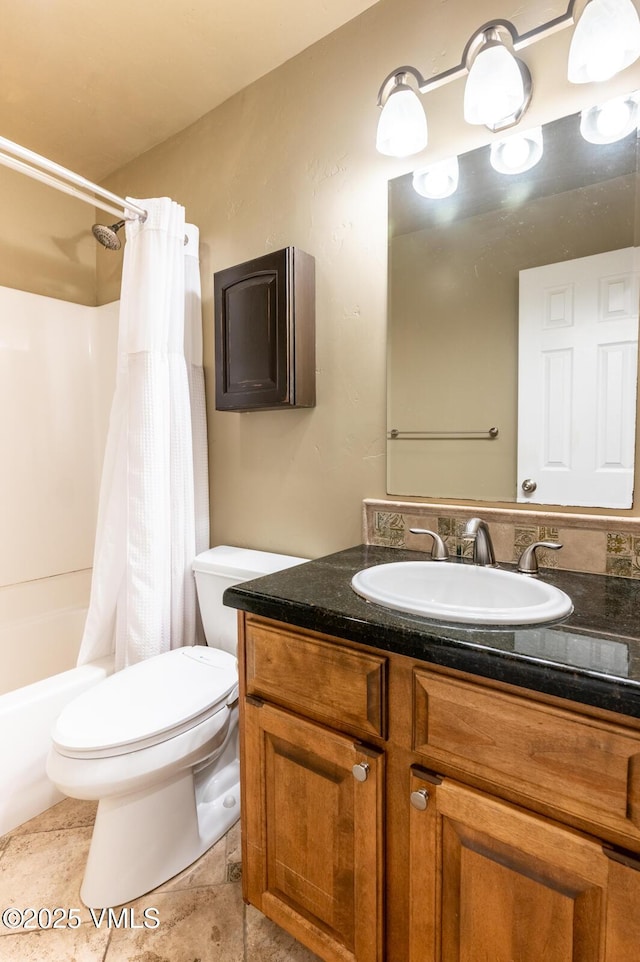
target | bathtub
x=28, y=712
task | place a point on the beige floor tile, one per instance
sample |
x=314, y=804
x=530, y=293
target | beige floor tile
x=208, y=870
x=69, y=813
x=84, y=944
x=202, y=917
x=44, y=870
x=204, y=924
x=267, y=942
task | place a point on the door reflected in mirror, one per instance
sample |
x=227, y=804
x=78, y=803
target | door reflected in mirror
x=516, y=300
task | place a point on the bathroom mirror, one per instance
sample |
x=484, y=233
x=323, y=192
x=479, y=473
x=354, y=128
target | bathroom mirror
x=458, y=269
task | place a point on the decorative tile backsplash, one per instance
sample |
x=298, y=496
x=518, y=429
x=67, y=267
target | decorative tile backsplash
x=591, y=543
x=623, y=555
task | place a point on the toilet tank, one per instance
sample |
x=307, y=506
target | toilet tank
x=216, y=570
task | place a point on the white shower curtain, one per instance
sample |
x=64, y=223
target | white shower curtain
x=142, y=592
x=195, y=373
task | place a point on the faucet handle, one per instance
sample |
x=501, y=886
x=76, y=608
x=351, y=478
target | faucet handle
x=439, y=550
x=528, y=563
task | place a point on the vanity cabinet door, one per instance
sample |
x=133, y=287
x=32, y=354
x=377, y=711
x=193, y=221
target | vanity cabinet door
x=312, y=833
x=491, y=881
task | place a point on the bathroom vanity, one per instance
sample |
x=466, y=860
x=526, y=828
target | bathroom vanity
x=415, y=792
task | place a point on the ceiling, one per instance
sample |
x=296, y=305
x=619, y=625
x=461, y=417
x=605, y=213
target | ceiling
x=92, y=84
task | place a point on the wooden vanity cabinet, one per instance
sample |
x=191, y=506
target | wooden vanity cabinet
x=395, y=812
x=313, y=818
x=489, y=880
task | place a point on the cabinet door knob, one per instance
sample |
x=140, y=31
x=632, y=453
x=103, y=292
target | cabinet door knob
x=420, y=799
x=360, y=772
x=529, y=486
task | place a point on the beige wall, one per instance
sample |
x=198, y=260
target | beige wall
x=46, y=245
x=291, y=160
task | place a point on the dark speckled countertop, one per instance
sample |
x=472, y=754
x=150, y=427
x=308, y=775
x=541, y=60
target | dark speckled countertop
x=593, y=656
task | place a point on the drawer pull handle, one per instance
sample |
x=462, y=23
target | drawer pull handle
x=360, y=772
x=420, y=799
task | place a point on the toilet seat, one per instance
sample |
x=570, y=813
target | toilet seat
x=147, y=703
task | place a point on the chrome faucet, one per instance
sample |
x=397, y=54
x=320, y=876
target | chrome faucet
x=477, y=531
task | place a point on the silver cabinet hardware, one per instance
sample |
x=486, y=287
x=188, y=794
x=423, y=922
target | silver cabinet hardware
x=528, y=486
x=528, y=563
x=360, y=772
x=420, y=799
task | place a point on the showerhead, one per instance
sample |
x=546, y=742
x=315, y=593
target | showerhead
x=108, y=236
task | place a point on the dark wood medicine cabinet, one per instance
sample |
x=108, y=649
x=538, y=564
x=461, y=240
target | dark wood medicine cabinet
x=265, y=332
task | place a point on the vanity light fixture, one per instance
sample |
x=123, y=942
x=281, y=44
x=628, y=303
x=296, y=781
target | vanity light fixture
x=517, y=153
x=606, y=123
x=499, y=86
x=605, y=41
x=402, y=128
x=438, y=180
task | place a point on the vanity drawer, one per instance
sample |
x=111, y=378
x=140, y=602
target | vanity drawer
x=319, y=679
x=575, y=763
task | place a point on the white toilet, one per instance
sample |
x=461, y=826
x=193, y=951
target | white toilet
x=156, y=744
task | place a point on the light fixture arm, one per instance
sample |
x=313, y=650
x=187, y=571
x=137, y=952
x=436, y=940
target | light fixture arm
x=567, y=19
x=517, y=42
x=498, y=87
x=394, y=78
x=497, y=29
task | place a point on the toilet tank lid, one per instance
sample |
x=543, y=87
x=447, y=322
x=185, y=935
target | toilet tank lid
x=242, y=563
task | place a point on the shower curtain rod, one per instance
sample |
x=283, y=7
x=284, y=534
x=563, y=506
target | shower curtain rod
x=54, y=175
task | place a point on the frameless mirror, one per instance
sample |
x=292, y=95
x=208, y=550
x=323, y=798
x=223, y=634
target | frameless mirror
x=513, y=329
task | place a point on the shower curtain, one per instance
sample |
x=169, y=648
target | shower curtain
x=195, y=373
x=142, y=592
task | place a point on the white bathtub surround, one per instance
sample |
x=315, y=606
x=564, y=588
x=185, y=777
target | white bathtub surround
x=143, y=596
x=57, y=367
x=27, y=716
x=41, y=624
x=57, y=371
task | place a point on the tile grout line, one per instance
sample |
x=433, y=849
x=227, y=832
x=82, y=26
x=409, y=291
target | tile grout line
x=106, y=949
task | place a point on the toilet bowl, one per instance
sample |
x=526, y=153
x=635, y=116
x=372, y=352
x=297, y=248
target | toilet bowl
x=156, y=745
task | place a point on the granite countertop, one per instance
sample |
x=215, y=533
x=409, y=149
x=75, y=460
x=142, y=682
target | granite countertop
x=592, y=657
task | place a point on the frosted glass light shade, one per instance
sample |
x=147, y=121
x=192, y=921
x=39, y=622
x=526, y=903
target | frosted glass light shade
x=437, y=181
x=605, y=41
x=494, y=91
x=518, y=153
x=402, y=128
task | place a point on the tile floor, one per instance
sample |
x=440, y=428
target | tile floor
x=202, y=917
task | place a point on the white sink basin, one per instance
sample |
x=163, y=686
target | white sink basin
x=462, y=594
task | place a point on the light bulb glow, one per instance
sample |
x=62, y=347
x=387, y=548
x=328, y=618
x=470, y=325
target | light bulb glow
x=494, y=91
x=518, y=153
x=605, y=41
x=611, y=121
x=437, y=181
x=402, y=127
